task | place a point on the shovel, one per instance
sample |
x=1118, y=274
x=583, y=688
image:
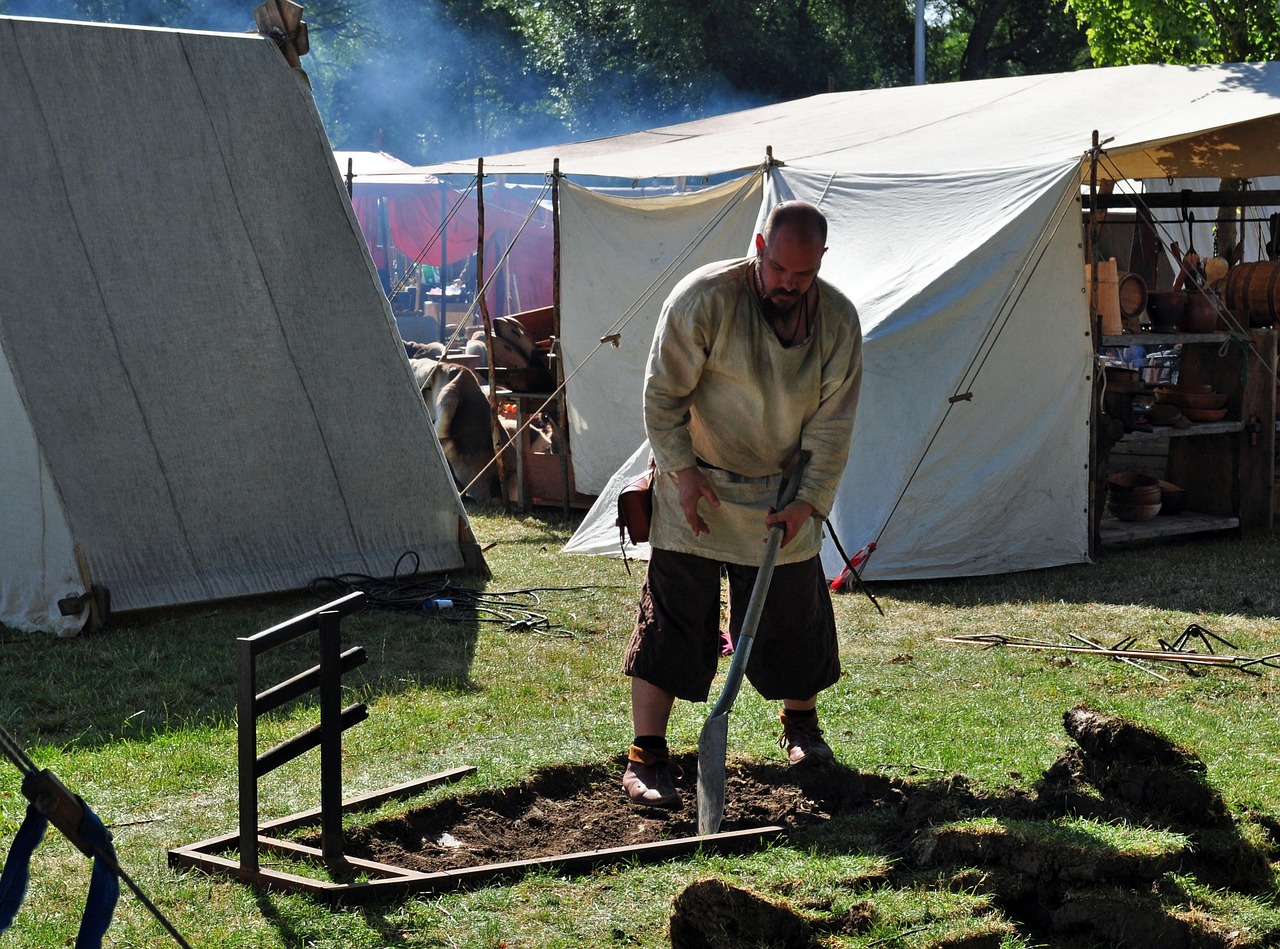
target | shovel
x=715, y=733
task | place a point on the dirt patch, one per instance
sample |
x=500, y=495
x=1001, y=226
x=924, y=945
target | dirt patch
x=571, y=809
x=1119, y=771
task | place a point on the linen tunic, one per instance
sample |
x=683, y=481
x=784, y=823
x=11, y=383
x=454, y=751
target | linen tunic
x=722, y=389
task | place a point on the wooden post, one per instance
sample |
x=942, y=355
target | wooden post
x=444, y=260
x=282, y=21
x=1097, y=453
x=1090, y=252
x=499, y=433
x=331, y=736
x=247, y=753
x=557, y=342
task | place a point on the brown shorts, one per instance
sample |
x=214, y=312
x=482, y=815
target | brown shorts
x=676, y=642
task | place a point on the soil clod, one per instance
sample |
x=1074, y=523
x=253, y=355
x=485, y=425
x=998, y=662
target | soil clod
x=712, y=914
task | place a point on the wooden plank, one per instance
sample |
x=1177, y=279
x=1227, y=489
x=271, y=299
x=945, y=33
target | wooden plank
x=409, y=882
x=290, y=848
x=726, y=842
x=367, y=802
x=1161, y=432
x=1116, y=531
x=1258, y=443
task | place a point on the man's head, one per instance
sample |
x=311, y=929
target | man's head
x=789, y=252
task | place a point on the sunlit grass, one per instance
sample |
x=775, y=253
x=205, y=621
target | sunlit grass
x=141, y=721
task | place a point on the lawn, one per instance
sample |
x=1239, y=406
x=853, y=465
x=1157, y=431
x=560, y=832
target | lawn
x=140, y=721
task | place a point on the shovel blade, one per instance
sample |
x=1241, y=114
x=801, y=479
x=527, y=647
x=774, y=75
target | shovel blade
x=711, y=754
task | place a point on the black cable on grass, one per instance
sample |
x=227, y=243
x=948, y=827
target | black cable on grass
x=444, y=599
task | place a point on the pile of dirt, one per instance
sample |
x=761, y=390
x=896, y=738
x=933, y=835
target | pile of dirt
x=1048, y=889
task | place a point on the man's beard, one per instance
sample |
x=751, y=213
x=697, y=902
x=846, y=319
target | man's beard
x=778, y=306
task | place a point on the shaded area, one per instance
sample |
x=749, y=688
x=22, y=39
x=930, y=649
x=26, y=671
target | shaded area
x=1049, y=879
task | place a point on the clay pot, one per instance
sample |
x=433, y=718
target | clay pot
x=1166, y=308
x=1172, y=498
x=1200, y=314
x=1130, y=489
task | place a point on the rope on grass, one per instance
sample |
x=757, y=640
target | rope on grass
x=445, y=599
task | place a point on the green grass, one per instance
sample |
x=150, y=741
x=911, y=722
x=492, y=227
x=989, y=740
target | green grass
x=141, y=722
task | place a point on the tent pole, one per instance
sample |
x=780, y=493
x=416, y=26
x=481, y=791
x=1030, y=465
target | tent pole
x=499, y=434
x=444, y=257
x=1095, y=320
x=557, y=343
x=1097, y=457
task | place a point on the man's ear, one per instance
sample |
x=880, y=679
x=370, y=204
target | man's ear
x=759, y=243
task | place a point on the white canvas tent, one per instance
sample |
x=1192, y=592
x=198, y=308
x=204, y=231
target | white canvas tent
x=202, y=390
x=956, y=229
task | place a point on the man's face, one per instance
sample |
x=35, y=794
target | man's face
x=788, y=264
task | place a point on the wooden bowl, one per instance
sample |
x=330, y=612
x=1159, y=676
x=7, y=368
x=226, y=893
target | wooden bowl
x=1166, y=413
x=1191, y=400
x=1205, y=415
x=1129, y=488
x=1134, y=512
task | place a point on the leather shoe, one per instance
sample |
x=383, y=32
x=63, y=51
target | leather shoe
x=802, y=741
x=650, y=779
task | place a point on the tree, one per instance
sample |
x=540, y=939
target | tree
x=616, y=66
x=1125, y=32
x=984, y=39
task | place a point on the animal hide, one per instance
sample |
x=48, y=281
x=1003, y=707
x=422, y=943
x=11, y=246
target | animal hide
x=465, y=428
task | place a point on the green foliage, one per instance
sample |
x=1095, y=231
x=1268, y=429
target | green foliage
x=1124, y=32
x=979, y=39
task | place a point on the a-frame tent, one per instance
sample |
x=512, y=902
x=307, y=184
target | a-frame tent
x=202, y=393
x=956, y=227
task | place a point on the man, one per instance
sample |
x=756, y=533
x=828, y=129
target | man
x=752, y=361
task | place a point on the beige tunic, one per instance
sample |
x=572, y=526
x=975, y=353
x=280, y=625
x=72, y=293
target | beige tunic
x=721, y=388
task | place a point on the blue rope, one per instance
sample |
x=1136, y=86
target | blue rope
x=17, y=868
x=104, y=886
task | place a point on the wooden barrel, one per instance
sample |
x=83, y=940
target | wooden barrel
x=1133, y=294
x=1255, y=288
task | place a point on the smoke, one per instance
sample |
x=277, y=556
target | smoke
x=405, y=78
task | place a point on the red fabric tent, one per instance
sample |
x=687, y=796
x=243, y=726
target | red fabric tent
x=415, y=204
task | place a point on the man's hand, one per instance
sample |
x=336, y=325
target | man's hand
x=695, y=487
x=793, y=517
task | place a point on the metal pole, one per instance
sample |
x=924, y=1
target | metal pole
x=919, y=42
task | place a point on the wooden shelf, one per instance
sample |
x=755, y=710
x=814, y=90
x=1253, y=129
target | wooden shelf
x=1116, y=531
x=1195, y=428
x=1166, y=339
x=1228, y=476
